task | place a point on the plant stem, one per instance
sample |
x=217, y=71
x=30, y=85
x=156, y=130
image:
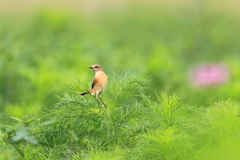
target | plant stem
x=19, y=151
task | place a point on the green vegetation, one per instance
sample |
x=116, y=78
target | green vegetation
x=129, y=128
x=152, y=110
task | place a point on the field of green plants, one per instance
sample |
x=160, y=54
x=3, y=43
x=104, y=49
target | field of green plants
x=173, y=91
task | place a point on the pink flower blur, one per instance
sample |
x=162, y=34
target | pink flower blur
x=210, y=75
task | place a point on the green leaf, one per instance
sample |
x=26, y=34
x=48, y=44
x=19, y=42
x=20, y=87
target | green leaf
x=15, y=118
x=23, y=134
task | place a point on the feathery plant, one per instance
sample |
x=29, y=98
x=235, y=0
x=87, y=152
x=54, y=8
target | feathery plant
x=90, y=126
x=133, y=126
x=169, y=136
x=222, y=120
x=222, y=125
x=122, y=88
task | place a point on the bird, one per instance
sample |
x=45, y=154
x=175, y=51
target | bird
x=99, y=83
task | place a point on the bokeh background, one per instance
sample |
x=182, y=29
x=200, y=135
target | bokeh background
x=187, y=47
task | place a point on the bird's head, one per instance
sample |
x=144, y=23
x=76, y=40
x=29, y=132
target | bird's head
x=96, y=68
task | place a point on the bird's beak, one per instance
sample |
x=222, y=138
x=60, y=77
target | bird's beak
x=90, y=67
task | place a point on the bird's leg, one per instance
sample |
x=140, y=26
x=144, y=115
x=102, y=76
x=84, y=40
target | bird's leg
x=97, y=96
x=98, y=102
x=103, y=102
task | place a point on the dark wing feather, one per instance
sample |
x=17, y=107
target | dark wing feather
x=93, y=83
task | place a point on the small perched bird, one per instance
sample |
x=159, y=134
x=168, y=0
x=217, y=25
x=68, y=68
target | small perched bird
x=99, y=83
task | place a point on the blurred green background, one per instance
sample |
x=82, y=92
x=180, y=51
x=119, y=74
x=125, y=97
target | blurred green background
x=44, y=45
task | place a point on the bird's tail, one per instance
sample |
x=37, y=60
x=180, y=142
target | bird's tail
x=83, y=94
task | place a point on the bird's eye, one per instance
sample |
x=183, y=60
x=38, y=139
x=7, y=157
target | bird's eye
x=96, y=67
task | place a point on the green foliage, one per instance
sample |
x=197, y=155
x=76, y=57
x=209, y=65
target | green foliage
x=133, y=126
x=170, y=137
x=18, y=133
x=56, y=47
x=88, y=122
x=38, y=56
x=223, y=119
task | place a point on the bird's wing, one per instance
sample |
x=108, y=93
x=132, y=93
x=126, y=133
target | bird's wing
x=93, y=83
